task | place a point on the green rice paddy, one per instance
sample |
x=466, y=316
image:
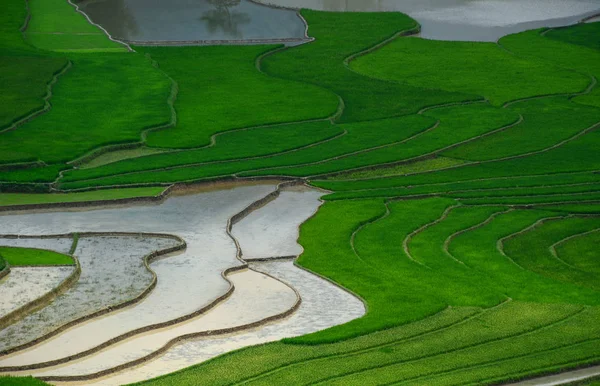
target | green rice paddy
x=17, y=257
x=464, y=178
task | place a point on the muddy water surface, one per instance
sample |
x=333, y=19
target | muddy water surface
x=193, y=20
x=273, y=230
x=186, y=282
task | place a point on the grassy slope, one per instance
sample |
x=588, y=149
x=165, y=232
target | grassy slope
x=31, y=257
x=7, y=199
x=322, y=63
x=132, y=98
x=220, y=89
x=23, y=91
x=429, y=63
x=581, y=252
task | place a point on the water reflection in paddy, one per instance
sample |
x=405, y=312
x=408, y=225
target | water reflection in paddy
x=193, y=20
x=477, y=20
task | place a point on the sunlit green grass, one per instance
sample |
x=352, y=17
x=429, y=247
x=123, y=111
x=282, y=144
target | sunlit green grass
x=104, y=99
x=441, y=64
x=220, y=89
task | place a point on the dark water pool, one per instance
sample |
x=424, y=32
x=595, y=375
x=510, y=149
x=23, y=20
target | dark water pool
x=200, y=21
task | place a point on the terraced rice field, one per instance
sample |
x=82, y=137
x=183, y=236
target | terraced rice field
x=451, y=188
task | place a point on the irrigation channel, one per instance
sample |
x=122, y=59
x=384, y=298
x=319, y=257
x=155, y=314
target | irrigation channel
x=205, y=302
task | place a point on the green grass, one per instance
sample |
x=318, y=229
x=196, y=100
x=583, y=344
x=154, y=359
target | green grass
x=132, y=97
x=340, y=35
x=21, y=381
x=259, y=142
x=402, y=169
x=582, y=59
x=24, y=90
x=7, y=199
x=56, y=26
x=441, y=64
x=244, y=97
x=581, y=251
x=18, y=257
x=582, y=34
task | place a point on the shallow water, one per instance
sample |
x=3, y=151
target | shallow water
x=186, y=282
x=193, y=20
x=25, y=284
x=256, y=297
x=476, y=20
x=112, y=272
x=323, y=305
x=200, y=219
x=272, y=231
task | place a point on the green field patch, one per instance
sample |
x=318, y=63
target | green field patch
x=25, y=86
x=583, y=34
x=442, y=64
x=340, y=35
x=546, y=122
x=258, y=142
x=55, y=25
x=7, y=199
x=531, y=250
x=104, y=99
x=398, y=170
x=585, y=60
x=359, y=136
x=581, y=251
x=399, y=186
x=18, y=257
x=119, y=155
x=220, y=89
x=456, y=124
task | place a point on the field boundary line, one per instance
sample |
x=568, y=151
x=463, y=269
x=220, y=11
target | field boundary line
x=488, y=363
x=378, y=346
x=43, y=300
x=47, y=105
x=467, y=347
x=410, y=236
x=363, y=226
x=420, y=157
x=147, y=260
x=76, y=6
x=501, y=241
x=524, y=155
x=451, y=238
x=554, y=253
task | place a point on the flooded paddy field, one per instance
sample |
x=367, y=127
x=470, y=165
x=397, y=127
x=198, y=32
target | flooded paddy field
x=482, y=20
x=272, y=231
x=323, y=305
x=293, y=301
x=200, y=21
x=26, y=284
x=112, y=272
